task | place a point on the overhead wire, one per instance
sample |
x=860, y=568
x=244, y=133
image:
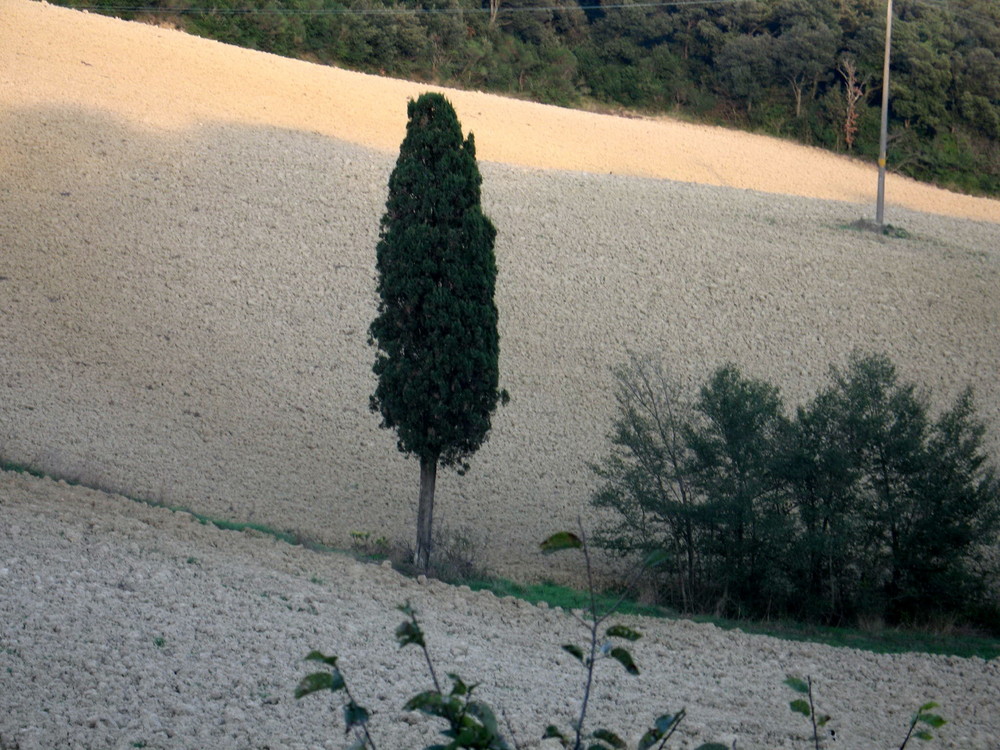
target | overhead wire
x=948, y=5
x=345, y=11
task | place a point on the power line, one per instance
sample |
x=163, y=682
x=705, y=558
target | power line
x=947, y=5
x=385, y=11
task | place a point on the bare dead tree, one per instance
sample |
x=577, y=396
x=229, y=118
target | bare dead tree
x=854, y=90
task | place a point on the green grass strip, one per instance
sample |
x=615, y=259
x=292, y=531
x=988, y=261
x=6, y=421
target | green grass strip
x=884, y=641
x=224, y=524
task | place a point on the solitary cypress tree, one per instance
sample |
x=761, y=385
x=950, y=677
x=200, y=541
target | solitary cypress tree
x=436, y=328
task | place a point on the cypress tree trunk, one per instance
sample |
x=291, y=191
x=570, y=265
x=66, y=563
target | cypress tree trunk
x=425, y=512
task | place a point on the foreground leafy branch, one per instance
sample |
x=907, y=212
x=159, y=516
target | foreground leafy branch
x=922, y=716
x=355, y=716
x=807, y=707
x=471, y=724
x=598, y=648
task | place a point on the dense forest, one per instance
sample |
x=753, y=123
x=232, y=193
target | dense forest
x=809, y=70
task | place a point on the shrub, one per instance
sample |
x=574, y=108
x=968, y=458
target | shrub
x=860, y=505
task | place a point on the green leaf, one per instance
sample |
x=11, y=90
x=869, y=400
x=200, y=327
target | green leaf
x=409, y=632
x=355, y=715
x=459, y=687
x=664, y=723
x=560, y=541
x=485, y=715
x=622, y=631
x=319, y=681
x=471, y=735
x=553, y=731
x=800, y=706
x=624, y=658
x=429, y=702
x=923, y=734
x=610, y=737
x=661, y=728
x=712, y=746
x=573, y=649
x=932, y=720
x=799, y=686
x=927, y=707
x=823, y=720
x=332, y=660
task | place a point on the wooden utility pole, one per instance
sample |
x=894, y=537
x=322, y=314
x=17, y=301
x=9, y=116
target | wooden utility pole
x=883, y=135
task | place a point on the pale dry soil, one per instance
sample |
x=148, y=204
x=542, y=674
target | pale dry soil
x=186, y=282
x=123, y=624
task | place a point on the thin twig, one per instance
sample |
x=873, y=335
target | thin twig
x=593, y=638
x=364, y=726
x=369, y=742
x=430, y=667
x=427, y=656
x=812, y=711
x=913, y=723
x=678, y=718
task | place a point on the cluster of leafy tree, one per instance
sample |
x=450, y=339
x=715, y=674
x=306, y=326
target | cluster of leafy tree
x=859, y=506
x=805, y=69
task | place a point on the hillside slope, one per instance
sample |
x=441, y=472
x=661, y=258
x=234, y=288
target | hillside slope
x=126, y=626
x=163, y=79
x=188, y=276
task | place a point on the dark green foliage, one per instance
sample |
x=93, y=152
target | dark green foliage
x=746, y=513
x=770, y=64
x=745, y=65
x=436, y=328
x=562, y=540
x=862, y=506
x=923, y=492
x=646, y=478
